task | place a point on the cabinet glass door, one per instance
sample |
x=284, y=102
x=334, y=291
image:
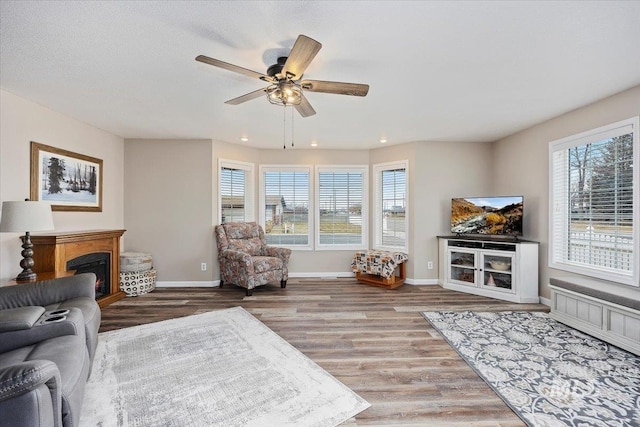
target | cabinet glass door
x=462, y=266
x=497, y=271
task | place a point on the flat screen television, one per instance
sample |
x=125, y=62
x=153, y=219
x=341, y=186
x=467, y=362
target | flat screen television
x=494, y=216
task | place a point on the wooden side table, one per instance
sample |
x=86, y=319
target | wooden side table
x=43, y=276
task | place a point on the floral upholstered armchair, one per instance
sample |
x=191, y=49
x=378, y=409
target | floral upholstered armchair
x=245, y=258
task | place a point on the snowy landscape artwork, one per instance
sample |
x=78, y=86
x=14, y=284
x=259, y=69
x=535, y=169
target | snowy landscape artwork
x=69, y=181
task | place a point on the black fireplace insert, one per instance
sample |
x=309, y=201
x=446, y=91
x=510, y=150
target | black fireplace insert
x=98, y=263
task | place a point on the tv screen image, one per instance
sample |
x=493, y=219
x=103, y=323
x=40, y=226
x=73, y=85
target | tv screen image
x=487, y=215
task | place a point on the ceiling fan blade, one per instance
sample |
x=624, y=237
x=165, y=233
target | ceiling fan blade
x=247, y=97
x=234, y=68
x=301, y=55
x=304, y=108
x=353, y=89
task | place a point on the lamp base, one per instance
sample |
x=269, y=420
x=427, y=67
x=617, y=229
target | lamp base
x=26, y=276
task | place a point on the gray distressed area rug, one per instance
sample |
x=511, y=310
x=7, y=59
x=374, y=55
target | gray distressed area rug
x=548, y=373
x=222, y=368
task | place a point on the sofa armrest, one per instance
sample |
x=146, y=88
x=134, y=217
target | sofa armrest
x=44, y=328
x=20, y=379
x=48, y=292
x=21, y=318
x=282, y=253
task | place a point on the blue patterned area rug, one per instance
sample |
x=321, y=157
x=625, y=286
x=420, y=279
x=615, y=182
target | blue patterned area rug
x=222, y=368
x=548, y=373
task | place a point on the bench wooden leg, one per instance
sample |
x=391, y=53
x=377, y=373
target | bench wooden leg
x=390, y=283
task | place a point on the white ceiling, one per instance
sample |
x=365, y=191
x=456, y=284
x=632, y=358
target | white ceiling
x=438, y=71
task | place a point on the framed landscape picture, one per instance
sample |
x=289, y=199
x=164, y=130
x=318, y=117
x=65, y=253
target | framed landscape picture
x=69, y=181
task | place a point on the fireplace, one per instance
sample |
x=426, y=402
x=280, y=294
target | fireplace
x=55, y=252
x=97, y=263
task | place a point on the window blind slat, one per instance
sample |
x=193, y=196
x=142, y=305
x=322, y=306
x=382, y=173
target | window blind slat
x=340, y=202
x=392, y=204
x=286, y=207
x=232, y=194
x=592, y=202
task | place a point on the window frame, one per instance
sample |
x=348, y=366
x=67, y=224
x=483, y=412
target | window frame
x=311, y=212
x=364, y=170
x=560, y=220
x=378, y=215
x=249, y=192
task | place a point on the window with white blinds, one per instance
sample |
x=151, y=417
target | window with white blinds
x=594, y=218
x=341, y=206
x=391, y=222
x=235, y=191
x=285, y=204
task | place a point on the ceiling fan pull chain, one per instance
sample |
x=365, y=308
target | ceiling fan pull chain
x=292, y=128
x=284, y=127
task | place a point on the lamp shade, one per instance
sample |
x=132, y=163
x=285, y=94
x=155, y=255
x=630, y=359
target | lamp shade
x=26, y=216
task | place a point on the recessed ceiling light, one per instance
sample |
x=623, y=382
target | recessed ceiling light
x=383, y=140
x=244, y=139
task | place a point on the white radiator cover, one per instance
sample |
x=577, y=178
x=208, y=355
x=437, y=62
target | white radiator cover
x=612, y=323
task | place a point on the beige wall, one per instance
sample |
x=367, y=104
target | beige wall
x=23, y=121
x=173, y=220
x=521, y=162
x=168, y=206
x=170, y=209
x=444, y=170
x=438, y=171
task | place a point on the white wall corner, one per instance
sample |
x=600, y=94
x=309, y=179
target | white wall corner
x=545, y=301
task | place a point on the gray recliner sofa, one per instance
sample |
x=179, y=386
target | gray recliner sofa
x=48, y=338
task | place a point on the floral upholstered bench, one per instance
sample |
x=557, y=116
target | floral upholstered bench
x=379, y=267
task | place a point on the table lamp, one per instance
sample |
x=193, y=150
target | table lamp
x=22, y=216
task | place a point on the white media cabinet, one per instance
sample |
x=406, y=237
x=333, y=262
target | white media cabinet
x=496, y=268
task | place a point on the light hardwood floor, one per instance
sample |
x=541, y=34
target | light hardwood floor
x=372, y=339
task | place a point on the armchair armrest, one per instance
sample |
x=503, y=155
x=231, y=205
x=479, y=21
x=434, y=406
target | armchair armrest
x=48, y=292
x=38, y=376
x=17, y=319
x=237, y=256
x=282, y=253
x=237, y=261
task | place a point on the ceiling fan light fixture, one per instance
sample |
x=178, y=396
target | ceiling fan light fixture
x=284, y=93
x=285, y=79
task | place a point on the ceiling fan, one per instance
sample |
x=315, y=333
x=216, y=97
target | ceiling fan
x=285, y=78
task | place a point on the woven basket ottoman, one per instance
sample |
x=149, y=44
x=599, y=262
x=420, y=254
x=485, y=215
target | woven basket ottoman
x=137, y=283
x=137, y=276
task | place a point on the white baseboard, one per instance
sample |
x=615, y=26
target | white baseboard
x=421, y=282
x=323, y=275
x=545, y=301
x=193, y=284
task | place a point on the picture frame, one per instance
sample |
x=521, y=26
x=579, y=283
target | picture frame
x=69, y=181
